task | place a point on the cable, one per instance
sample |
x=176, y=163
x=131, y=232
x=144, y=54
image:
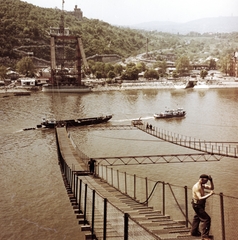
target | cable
x=151, y=192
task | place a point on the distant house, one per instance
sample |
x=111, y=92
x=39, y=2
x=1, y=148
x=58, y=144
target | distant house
x=41, y=81
x=12, y=75
x=28, y=82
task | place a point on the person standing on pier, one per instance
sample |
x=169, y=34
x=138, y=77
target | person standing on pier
x=198, y=203
x=91, y=164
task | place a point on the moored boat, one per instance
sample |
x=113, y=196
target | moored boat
x=52, y=123
x=172, y=113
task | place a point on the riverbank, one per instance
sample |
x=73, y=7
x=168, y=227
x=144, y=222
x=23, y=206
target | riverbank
x=162, y=85
x=98, y=87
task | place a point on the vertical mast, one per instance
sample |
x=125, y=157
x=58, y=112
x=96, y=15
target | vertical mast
x=61, y=26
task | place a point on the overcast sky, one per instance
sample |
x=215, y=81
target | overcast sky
x=128, y=12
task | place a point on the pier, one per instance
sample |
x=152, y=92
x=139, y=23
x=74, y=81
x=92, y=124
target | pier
x=110, y=205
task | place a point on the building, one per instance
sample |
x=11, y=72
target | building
x=77, y=13
x=106, y=58
x=28, y=82
x=235, y=64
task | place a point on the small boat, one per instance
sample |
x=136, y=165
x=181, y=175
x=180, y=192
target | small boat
x=179, y=112
x=52, y=123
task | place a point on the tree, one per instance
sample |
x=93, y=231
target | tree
x=111, y=74
x=225, y=64
x=3, y=72
x=26, y=67
x=212, y=64
x=162, y=66
x=98, y=75
x=131, y=73
x=183, y=65
x=151, y=74
x=118, y=68
x=141, y=66
x=175, y=74
x=203, y=73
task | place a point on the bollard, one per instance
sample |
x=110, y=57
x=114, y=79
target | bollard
x=126, y=216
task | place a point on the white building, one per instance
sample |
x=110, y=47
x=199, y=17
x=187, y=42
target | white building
x=28, y=82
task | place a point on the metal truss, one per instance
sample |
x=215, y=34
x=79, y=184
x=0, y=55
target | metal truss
x=157, y=159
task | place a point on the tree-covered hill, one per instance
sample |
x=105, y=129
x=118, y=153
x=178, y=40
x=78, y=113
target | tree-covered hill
x=26, y=27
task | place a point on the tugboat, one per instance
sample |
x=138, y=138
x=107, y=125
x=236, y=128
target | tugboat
x=172, y=113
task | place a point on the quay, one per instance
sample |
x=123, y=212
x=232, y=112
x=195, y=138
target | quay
x=102, y=211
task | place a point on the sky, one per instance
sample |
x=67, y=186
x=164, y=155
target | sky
x=129, y=12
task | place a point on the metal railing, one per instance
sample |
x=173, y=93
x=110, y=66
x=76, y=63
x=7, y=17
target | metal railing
x=174, y=200
x=171, y=199
x=219, y=148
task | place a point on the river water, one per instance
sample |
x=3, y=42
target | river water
x=34, y=202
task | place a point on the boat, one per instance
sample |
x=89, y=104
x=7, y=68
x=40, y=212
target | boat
x=52, y=123
x=172, y=113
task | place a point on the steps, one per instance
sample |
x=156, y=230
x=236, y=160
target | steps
x=162, y=227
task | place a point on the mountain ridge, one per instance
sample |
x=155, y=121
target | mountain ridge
x=203, y=25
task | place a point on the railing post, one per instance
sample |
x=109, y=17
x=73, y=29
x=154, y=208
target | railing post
x=106, y=175
x=76, y=188
x=222, y=217
x=93, y=213
x=186, y=204
x=112, y=177
x=126, y=216
x=74, y=184
x=80, y=194
x=125, y=184
x=118, y=179
x=146, y=190
x=134, y=186
x=163, y=195
x=85, y=204
x=105, y=220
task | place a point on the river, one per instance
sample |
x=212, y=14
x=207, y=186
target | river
x=34, y=202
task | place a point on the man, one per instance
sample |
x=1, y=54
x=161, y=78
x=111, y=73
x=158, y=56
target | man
x=198, y=203
x=91, y=164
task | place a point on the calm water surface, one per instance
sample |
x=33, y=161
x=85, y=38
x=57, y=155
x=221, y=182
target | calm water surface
x=32, y=190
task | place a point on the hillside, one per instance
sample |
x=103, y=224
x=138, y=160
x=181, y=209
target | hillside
x=27, y=26
x=204, y=25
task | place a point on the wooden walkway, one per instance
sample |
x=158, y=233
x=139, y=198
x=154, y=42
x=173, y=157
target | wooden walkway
x=69, y=153
x=162, y=227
